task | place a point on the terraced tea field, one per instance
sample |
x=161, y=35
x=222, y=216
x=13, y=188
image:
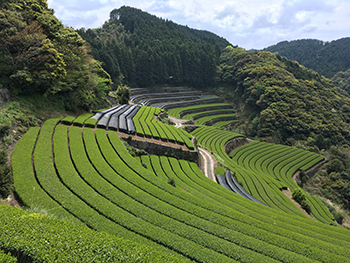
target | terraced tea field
x=264, y=169
x=87, y=176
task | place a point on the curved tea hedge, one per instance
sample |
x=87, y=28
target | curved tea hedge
x=36, y=238
x=221, y=124
x=197, y=115
x=182, y=111
x=215, y=118
x=149, y=127
x=263, y=169
x=90, y=174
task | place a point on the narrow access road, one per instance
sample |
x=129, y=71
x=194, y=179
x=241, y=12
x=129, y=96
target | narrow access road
x=178, y=122
x=208, y=164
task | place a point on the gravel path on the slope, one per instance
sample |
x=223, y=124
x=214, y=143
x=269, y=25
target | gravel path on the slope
x=208, y=164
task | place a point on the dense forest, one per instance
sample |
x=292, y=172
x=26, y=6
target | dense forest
x=342, y=80
x=142, y=50
x=327, y=58
x=38, y=55
x=285, y=100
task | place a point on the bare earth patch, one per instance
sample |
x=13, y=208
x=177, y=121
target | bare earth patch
x=288, y=193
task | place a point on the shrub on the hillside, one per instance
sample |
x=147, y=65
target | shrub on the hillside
x=338, y=217
x=172, y=182
x=5, y=175
x=303, y=177
x=300, y=197
x=5, y=180
x=306, y=206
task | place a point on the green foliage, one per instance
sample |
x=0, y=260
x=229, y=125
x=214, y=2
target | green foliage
x=220, y=170
x=133, y=151
x=303, y=177
x=123, y=93
x=322, y=143
x=42, y=239
x=299, y=196
x=197, y=108
x=290, y=101
x=41, y=56
x=80, y=121
x=6, y=258
x=262, y=167
x=142, y=50
x=334, y=180
x=327, y=58
x=342, y=80
x=172, y=182
x=338, y=217
x=96, y=180
x=6, y=180
x=147, y=126
x=335, y=165
x=215, y=118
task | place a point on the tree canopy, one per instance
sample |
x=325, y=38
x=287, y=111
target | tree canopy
x=39, y=55
x=142, y=50
x=342, y=80
x=284, y=99
x=327, y=58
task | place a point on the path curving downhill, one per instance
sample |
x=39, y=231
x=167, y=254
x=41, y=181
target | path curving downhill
x=208, y=164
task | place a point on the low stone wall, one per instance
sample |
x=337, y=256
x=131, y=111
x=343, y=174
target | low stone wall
x=233, y=144
x=158, y=149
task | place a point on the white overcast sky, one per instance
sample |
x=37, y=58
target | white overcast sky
x=247, y=23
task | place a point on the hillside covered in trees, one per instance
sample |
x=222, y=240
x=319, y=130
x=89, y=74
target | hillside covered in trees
x=283, y=99
x=342, y=80
x=327, y=58
x=143, y=50
x=38, y=55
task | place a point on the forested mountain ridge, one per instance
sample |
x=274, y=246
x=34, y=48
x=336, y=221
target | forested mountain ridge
x=283, y=99
x=142, y=50
x=327, y=58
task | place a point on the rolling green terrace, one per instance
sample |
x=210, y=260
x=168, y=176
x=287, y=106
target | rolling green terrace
x=87, y=176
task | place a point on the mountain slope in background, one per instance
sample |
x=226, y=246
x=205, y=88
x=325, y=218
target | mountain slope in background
x=283, y=99
x=327, y=58
x=142, y=50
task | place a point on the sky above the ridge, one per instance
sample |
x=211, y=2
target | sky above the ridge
x=252, y=24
